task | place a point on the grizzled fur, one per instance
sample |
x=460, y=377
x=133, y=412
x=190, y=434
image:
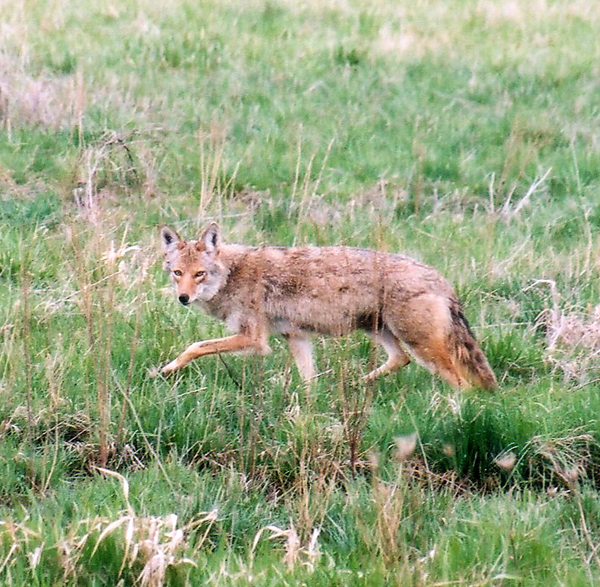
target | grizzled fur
x=296, y=292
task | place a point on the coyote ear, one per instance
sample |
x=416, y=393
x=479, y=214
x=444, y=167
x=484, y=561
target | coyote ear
x=169, y=237
x=211, y=238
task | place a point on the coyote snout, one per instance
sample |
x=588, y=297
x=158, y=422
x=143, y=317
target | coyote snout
x=407, y=307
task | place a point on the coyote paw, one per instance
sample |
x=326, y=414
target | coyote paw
x=170, y=368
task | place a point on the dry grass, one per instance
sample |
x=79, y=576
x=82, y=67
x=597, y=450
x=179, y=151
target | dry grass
x=295, y=552
x=572, y=338
x=568, y=460
x=149, y=545
x=47, y=101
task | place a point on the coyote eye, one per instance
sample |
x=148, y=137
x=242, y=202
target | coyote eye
x=200, y=274
x=177, y=273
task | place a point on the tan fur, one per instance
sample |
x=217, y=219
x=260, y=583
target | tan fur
x=300, y=291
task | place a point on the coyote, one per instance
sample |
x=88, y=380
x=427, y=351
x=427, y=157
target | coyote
x=407, y=307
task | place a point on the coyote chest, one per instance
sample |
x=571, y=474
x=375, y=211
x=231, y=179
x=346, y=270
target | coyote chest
x=407, y=307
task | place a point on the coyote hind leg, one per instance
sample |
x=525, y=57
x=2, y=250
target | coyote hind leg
x=397, y=358
x=435, y=353
x=425, y=328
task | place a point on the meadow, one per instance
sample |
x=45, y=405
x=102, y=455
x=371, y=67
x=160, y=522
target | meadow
x=465, y=133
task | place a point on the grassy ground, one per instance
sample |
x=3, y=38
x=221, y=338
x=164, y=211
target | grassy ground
x=464, y=133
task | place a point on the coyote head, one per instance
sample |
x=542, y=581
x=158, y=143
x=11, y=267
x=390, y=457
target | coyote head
x=194, y=266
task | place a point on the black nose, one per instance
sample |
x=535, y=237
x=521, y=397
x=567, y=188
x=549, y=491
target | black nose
x=184, y=299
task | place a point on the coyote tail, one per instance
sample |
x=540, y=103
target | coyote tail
x=468, y=356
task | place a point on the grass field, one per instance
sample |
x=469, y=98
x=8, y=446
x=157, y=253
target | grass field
x=464, y=133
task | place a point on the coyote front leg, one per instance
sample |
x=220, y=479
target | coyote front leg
x=301, y=349
x=229, y=344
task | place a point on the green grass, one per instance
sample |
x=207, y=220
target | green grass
x=463, y=133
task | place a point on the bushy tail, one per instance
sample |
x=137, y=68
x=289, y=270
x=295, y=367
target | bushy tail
x=469, y=357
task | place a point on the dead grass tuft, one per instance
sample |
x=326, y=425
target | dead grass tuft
x=106, y=167
x=153, y=543
x=568, y=459
x=405, y=446
x=572, y=338
x=418, y=472
x=47, y=101
x=295, y=552
x=411, y=42
x=71, y=427
x=506, y=461
x=517, y=12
